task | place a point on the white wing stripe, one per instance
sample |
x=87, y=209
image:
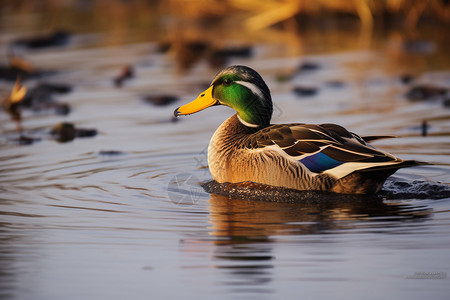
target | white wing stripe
x=347, y=168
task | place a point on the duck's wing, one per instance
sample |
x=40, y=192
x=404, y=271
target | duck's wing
x=326, y=148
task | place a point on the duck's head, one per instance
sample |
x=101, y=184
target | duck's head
x=240, y=88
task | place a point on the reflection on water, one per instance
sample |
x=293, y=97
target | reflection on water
x=242, y=221
x=252, y=240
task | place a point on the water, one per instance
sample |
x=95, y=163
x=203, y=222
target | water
x=103, y=218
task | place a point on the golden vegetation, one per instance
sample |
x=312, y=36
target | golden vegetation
x=257, y=14
x=269, y=12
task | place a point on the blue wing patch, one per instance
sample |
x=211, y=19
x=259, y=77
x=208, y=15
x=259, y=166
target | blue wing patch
x=319, y=162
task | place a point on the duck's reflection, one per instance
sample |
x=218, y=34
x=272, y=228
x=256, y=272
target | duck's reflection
x=245, y=221
x=246, y=232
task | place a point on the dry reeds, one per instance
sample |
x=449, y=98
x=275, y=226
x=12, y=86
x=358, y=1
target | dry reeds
x=262, y=14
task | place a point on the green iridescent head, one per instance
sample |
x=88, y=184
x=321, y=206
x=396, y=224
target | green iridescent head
x=240, y=88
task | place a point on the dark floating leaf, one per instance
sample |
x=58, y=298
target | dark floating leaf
x=41, y=98
x=305, y=91
x=425, y=127
x=13, y=103
x=406, y=78
x=62, y=109
x=25, y=140
x=163, y=47
x=57, y=88
x=81, y=132
x=308, y=66
x=110, y=153
x=446, y=102
x=424, y=92
x=126, y=73
x=63, y=132
x=56, y=39
x=66, y=132
x=160, y=100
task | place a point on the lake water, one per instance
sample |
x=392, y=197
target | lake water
x=103, y=217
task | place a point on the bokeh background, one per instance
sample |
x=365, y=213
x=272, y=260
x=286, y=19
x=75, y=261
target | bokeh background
x=100, y=194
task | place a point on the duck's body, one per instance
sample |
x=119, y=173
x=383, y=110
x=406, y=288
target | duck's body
x=246, y=148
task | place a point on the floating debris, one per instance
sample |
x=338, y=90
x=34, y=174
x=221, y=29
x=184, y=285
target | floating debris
x=41, y=98
x=63, y=132
x=13, y=106
x=126, y=73
x=406, y=78
x=13, y=103
x=25, y=140
x=308, y=66
x=110, y=153
x=424, y=128
x=160, y=100
x=62, y=109
x=57, y=88
x=424, y=92
x=66, y=132
x=56, y=39
x=446, y=102
x=303, y=91
x=163, y=47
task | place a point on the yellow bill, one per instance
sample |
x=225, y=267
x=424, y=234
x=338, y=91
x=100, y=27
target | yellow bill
x=204, y=100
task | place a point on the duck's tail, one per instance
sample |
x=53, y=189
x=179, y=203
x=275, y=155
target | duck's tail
x=370, y=180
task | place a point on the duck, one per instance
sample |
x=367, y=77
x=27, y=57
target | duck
x=247, y=148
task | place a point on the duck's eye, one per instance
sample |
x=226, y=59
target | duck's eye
x=227, y=81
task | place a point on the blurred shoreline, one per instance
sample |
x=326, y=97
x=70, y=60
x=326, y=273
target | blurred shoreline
x=409, y=30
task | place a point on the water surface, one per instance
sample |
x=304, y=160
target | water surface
x=103, y=218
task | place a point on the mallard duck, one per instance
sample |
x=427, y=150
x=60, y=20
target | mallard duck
x=247, y=148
